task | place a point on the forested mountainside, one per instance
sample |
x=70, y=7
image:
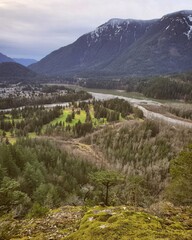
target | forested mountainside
x=12, y=70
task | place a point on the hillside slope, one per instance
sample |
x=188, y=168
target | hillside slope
x=165, y=48
x=94, y=50
x=12, y=69
x=4, y=58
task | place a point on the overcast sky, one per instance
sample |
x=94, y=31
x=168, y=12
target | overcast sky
x=34, y=28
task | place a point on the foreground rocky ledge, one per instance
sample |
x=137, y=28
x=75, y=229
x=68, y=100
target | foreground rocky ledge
x=161, y=221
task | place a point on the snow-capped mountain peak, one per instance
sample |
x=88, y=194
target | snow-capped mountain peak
x=127, y=47
x=117, y=29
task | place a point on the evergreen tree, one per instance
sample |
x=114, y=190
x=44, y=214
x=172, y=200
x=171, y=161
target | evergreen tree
x=180, y=187
x=107, y=179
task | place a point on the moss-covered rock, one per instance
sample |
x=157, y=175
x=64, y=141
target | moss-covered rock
x=123, y=223
x=100, y=223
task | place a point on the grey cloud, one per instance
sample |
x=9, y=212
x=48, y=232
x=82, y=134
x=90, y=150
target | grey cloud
x=34, y=28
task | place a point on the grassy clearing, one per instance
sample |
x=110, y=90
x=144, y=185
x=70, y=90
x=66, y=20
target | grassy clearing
x=78, y=117
x=8, y=136
x=11, y=139
x=61, y=118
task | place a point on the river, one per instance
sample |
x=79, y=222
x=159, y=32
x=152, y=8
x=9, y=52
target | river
x=136, y=102
x=148, y=114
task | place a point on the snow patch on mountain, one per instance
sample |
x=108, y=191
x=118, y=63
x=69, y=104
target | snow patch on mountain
x=115, y=25
x=117, y=21
x=190, y=18
x=167, y=27
x=189, y=32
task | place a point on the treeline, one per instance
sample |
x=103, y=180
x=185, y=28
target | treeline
x=34, y=171
x=113, y=109
x=104, y=83
x=102, y=112
x=55, y=88
x=79, y=129
x=10, y=102
x=20, y=122
x=173, y=87
x=119, y=105
x=164, y=88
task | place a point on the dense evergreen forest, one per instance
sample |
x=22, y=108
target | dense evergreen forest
x=167, y=87
x=35, y=171
x=20, y=122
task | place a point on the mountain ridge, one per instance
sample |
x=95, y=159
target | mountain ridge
x=4, y=58
x=127, y=47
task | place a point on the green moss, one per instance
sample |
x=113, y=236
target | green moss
x=120, y=223
x=112, y=219
x=99, y=223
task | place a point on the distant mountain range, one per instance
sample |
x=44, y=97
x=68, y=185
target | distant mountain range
x=25, y=61
x=125, y=47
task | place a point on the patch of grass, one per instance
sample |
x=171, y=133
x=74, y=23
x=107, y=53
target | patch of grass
x=66, y=112
x=78, y=117
x=9, y=136
x=81, y=117
x=61, y=118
